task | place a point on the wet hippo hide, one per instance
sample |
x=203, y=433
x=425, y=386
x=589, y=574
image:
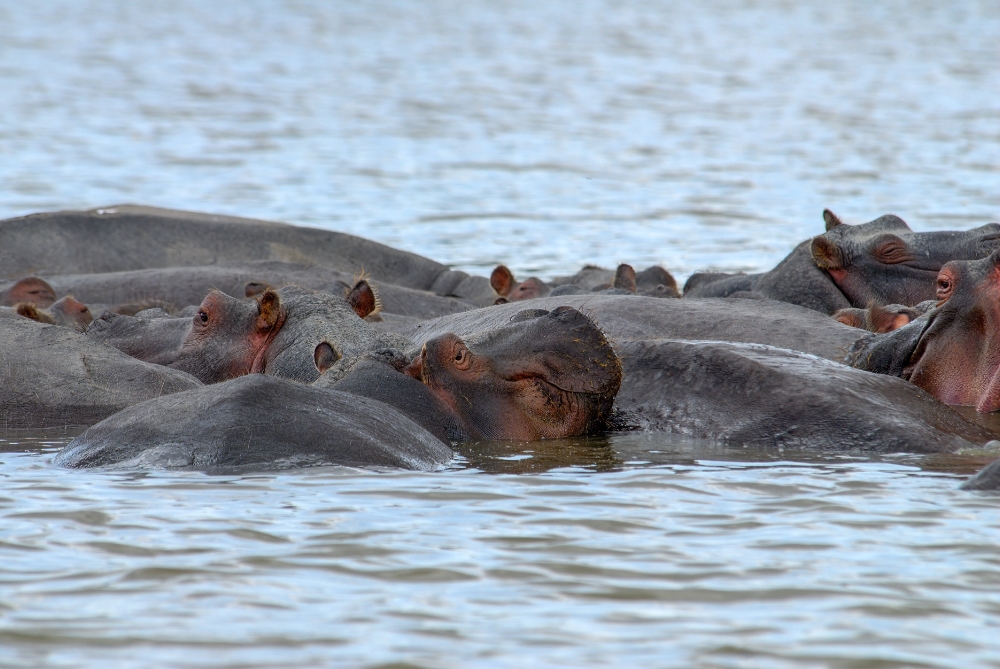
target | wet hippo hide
x=183, y=286
x=256, y=423
x=54, y=376
x=151, y=335
x=129, y=237
x=795, y=280
x=760, y=396
x=380, y=381
x=638, y=318
x=987, y=479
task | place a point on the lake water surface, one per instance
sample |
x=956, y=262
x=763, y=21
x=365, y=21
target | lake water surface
x=543, y=135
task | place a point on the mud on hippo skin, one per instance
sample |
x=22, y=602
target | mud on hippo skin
x=256, y=423
x=952, y=351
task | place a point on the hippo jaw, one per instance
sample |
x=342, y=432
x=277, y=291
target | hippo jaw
x=957, y=357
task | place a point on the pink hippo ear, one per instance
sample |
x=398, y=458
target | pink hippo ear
x=268, y=310
x=364, y=299
x=502, y=280
x=29, y=310
x=625, y=278
x=852, y=316
x=831, y=220
x=826, y=254
x=325, y=357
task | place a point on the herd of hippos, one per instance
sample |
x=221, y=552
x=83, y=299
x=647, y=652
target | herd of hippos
x=230, y=344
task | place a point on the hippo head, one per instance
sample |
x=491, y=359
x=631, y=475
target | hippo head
x=232, y=337
x=31, y=290
x=885, y=262
x=228, y=336
x=953, y=352
x=545, y=375
x=70, y=312
x=507, y=287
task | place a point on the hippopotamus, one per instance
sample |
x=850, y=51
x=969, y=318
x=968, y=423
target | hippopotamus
x=29, y=290
x=129, y=237
x=853, y=265
x=652, y=282
x=53, y=377
x=173, y=288
x=151, y=335
x=542, y=375
x=255, y=423
x=290, y=332
x=987, y=479
x=66, y=312
x=951, y=351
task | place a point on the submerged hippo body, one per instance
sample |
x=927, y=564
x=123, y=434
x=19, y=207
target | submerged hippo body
x=53, y=376
x=129, y=237
x=760, y=396
x=640, y=318
x=256, y=423
x=882, y=261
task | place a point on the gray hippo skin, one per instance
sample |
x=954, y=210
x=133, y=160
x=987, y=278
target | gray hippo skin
x=256, y=423
x=52, y=377
x=881, y=261
x=760, y=396
x=151, y=335
x=638, y=318
x=987, y=479
x=130, y=237
x=178, y=287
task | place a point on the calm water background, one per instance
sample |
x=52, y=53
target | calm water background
x=544, y=135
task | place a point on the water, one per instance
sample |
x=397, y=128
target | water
x=543, y=135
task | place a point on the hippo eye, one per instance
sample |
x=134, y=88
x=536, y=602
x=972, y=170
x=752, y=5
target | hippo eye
x=202, y=316
x=892, y=251
x=944, y=287
x=463, y=358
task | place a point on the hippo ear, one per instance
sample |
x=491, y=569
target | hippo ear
x=625, y=278
x=29, y=310
x=826, y=254
x=364, y=299
x=831, y=220
x=502, y=280
x=853, y=316
x=881, y=320
x=325, y=357
x=255, y=288
x=501, y=300
x=268, y=310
